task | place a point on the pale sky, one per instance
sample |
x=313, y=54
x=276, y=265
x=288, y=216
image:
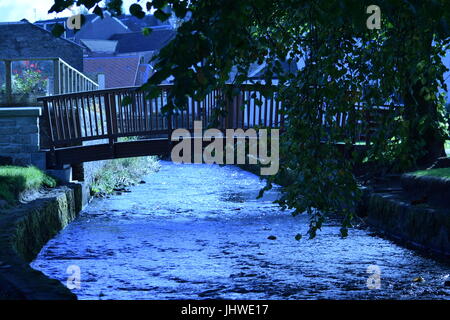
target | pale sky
x=32, y=10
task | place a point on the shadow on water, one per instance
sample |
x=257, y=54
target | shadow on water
x=198, y=232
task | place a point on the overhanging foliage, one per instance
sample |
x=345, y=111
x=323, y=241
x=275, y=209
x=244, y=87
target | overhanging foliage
x=344, y=64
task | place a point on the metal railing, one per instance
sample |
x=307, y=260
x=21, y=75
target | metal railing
x=23, y=80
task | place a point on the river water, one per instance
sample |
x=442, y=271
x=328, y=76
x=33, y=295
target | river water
x=198, y=232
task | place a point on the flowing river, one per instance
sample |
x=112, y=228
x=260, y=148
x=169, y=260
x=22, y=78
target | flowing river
x=198, y=232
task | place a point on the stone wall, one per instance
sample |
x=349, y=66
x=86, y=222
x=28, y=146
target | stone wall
x=414, y=211
x=26, y=40
x=19, y=137
x=24, y=230
x=421, y=227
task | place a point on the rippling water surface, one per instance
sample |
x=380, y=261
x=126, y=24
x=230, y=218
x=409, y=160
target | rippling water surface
x=197, y=232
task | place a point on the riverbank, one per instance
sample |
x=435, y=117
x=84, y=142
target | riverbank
x=412, y=209
x=24, y=230
x=27, y=227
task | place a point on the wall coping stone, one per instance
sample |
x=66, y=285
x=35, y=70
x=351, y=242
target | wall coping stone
x=20, y=112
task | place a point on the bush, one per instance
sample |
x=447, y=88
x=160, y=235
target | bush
x=119, y=173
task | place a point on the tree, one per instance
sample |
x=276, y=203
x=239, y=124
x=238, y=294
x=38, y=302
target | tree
x=344, y=64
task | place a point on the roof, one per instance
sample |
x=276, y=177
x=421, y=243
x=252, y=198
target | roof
x=136, y=24
x=118, y=71
x=101, y=29
x=100, y=46
x=26, y=22
x=137, y=42
x=129, y=21
x=69, y=33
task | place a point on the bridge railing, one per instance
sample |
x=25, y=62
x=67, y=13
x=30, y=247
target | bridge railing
x=123, y=112
x=23, y=80
x=77, y=117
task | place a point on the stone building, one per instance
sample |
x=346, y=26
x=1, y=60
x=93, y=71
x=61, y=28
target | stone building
x=25, y=40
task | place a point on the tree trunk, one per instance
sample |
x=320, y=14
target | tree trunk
x=417, y=107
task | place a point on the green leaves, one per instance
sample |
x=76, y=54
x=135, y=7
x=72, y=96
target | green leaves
x=161, y=15
x=58, y=30
x=332, y=105
x=180, y=9
x=61, y=5
x=136, y=10
x=88, y=3
x=146, y=31
x=159, y=4
x=127, y=100
x=98, y=11
x=114, y=7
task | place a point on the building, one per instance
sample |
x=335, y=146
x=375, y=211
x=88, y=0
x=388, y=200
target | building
x=114, y=72
x=99, y=28
x=116, y=53
x=135, y=43
x=34, y=63
x=25, y=40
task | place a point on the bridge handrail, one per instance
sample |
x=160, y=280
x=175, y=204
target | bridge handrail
x=74, y=118
x=80, y=81
x=65, y=79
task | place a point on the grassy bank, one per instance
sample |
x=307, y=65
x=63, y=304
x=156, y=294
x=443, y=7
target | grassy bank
x=120, y=173
x=14, y=181
x=440, y=172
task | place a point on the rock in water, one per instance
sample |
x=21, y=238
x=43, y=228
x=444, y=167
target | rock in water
x=272, y=238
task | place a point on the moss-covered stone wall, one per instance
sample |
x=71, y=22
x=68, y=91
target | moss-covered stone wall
x=24, y=230
x=422, y=226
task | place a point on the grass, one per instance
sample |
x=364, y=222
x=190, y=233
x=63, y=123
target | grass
x=120, y=173
x=16, y=180
x=441, y=172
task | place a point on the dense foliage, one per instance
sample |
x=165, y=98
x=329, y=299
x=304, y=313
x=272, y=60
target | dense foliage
x=344, y=64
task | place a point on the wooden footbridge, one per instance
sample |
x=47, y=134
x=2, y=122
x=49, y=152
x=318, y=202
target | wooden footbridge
x=97, y=125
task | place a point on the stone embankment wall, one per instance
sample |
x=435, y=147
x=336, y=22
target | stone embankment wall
x=416, y=213
x=24, y=230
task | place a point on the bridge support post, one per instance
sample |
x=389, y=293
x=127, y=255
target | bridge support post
x=64, y=175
